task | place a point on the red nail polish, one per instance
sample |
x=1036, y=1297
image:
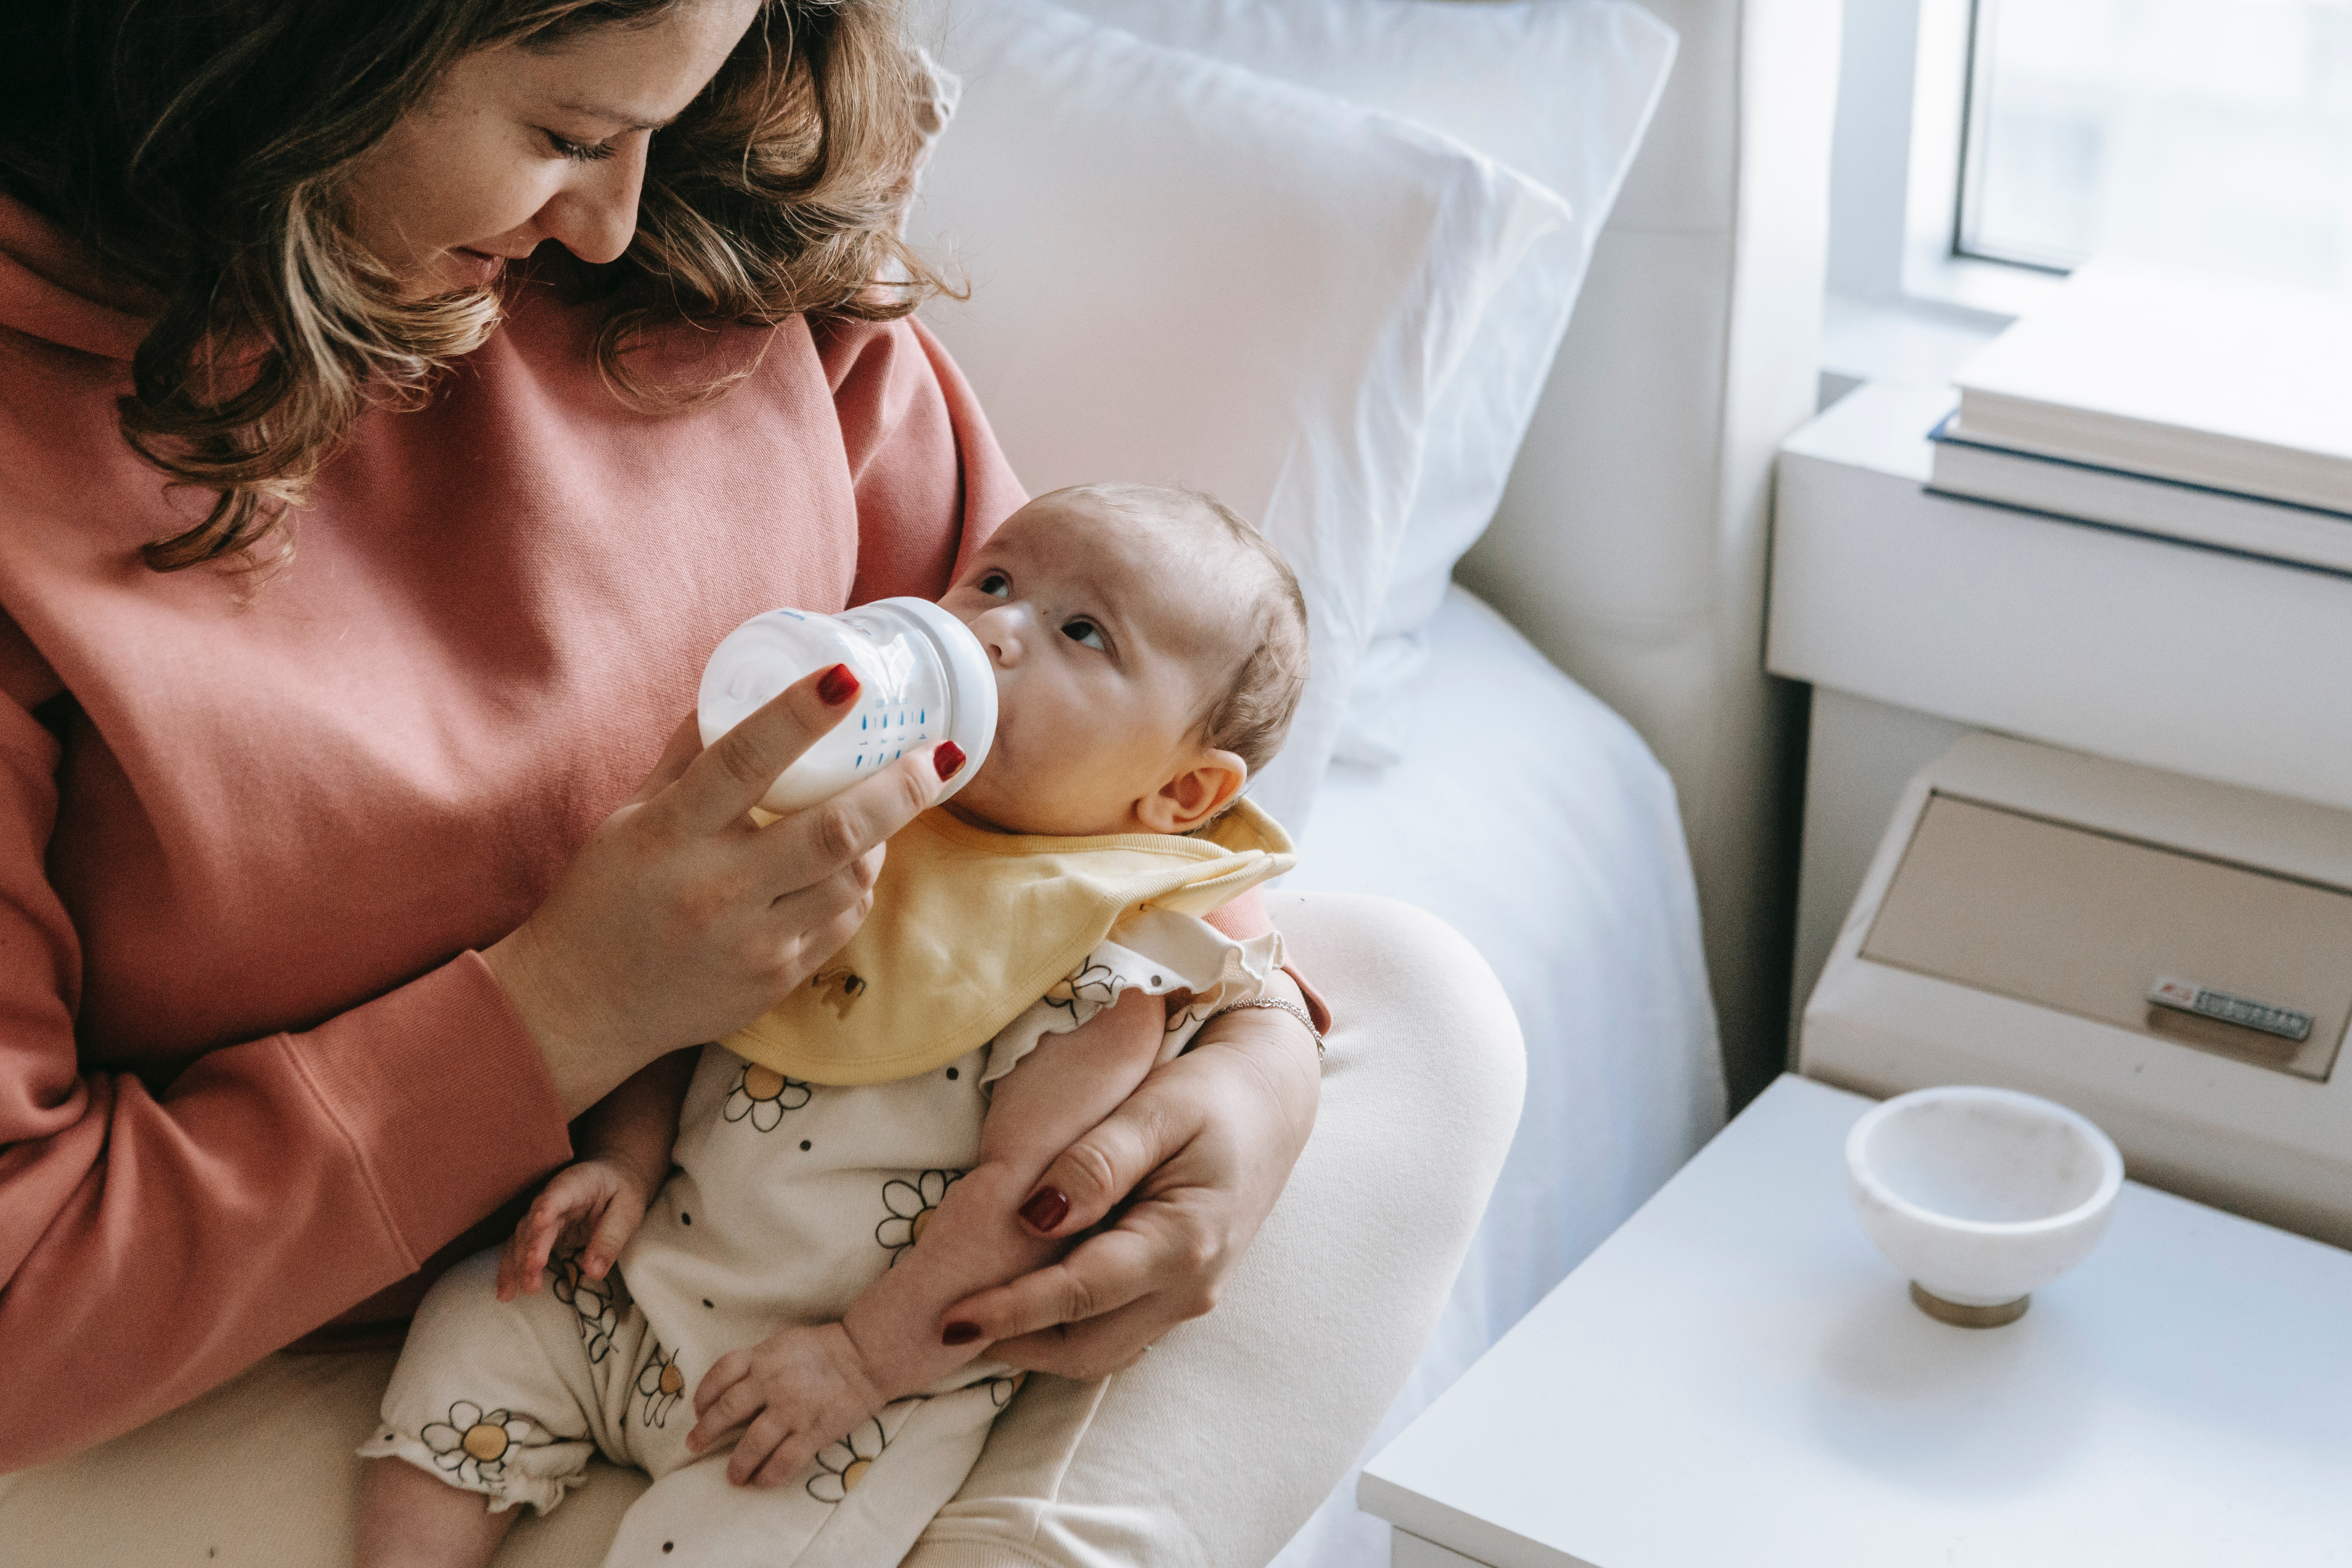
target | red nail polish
x=948, y=759
x=1046, y=1210
x=836, y=686
x=959, y=1334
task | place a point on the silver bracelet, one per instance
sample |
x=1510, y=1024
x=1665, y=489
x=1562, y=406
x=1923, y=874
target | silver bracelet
x=1293, y=1008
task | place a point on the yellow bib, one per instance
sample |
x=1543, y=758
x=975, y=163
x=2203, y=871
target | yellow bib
x=970, y=926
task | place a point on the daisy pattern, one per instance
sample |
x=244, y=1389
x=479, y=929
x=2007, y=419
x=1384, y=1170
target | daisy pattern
x=911, y=1205
x=841, y=1466
x=1095, y=984
x=661, y=1384
x=1001, y=1389
x=475, y=1442
x=1186, y=1008
x=763, y=1094
x=597, y=1303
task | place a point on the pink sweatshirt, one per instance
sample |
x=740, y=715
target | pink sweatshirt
x=252, y=1071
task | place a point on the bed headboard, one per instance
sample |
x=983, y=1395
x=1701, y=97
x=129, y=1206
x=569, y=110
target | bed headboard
x=1631, y=546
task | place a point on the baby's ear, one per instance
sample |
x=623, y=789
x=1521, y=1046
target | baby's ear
x=1196, y=794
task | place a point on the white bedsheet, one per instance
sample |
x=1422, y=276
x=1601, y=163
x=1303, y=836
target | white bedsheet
x=1533, y=820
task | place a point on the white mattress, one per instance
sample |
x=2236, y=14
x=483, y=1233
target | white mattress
x=1533, y=821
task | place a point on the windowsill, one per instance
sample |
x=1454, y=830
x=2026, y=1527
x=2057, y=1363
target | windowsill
x=1990, y=292
x=1898, y=342
x=1951, y=308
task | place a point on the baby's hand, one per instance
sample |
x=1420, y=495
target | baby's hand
x=805, y=1386
x=598, y=1203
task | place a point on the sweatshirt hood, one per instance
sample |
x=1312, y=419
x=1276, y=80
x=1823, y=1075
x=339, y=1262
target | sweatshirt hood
x=36, y=299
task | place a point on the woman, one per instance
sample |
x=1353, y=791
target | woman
x=550, y=333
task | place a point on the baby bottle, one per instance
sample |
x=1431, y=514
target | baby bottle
x=921, y=676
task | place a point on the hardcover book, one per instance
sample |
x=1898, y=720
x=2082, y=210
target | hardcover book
x=2247, y=392
x=2111, y=498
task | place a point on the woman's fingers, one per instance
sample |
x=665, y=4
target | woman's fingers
x=678, y=923
x=812, y=925
x=1205, y=1144
x=727, y=778
x=1096, y=1347
x=684, y=745
x=1108, y=1273
x=1099, y=1309
x=836, y=834
x=1102, y=1167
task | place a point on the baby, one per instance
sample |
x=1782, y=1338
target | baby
x=847, y=1168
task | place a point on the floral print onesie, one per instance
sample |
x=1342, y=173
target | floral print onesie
x=787, y=1198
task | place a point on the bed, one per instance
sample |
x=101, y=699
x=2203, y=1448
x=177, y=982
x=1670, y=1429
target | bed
x=1318, y=256
x=1559, y=855
x=1492, y=314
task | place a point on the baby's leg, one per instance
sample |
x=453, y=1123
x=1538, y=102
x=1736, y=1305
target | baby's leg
x=493, y=1404
x=411, y=1520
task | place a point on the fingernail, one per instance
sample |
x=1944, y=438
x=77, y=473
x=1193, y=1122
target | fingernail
x=948, y=760
x=1046, y=1211
x=959, y=1334
x=836, y=686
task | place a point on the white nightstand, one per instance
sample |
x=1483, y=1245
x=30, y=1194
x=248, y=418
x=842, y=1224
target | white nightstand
x=1735, y=1378
x=1917, y=618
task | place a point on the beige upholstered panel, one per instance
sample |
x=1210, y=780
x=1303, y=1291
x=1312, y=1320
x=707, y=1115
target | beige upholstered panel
x=1631, y=546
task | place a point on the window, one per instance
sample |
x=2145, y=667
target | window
x=2212, y=136
x=1984, y=147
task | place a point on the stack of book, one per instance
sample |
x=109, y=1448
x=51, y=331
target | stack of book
x=2220, y=419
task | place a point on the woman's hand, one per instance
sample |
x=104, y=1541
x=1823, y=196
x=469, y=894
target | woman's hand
x=1204, y=1146
x=680, y=921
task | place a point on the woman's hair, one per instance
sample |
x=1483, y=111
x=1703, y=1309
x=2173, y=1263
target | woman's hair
x=198, y=149
x=1251, y=716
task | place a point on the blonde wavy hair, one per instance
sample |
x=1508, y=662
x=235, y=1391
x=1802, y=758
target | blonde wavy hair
x=197, y=149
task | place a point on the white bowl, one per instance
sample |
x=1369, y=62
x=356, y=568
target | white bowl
x=1980, y=1195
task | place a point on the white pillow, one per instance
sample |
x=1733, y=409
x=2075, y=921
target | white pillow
x=1184, y=271
x=1560, y=90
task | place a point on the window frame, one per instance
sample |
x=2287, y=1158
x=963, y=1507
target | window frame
x=1904, y=90
x=1976, y=109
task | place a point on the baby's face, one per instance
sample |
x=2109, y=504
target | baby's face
x=1104, y=650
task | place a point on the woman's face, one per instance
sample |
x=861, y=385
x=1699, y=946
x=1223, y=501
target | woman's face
x=521, y=145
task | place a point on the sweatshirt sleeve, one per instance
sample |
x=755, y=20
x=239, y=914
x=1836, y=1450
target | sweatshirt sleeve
x=154, y=1243
x=930, y=483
